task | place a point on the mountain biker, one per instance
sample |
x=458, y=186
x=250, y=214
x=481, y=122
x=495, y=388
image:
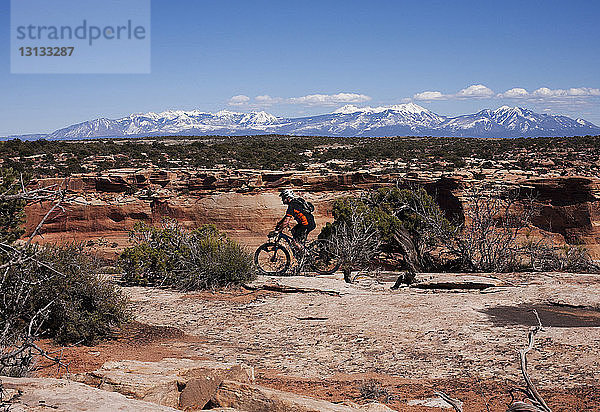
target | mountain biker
x=301, y=211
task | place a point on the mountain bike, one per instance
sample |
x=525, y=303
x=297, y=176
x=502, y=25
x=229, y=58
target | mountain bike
x=273, y=257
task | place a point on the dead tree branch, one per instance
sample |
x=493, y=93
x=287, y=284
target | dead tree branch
x=355, y=242
x=533, y=401
x=455, y=403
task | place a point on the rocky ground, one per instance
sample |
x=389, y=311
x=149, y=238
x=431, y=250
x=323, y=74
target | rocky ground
x=320, y=337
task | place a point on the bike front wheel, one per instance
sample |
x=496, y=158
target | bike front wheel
x=272, y=259
x=323, y=259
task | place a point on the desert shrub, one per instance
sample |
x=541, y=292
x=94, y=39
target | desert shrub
x=355, y=241
x=404, y=218
x=80, y=306
x=567, y=258
x=86, y=305
x=187, y=260
x=372, y=389
x=11, y=210
x=54, y=292
x=409, y=222
x=46, y=291
x=489, y=241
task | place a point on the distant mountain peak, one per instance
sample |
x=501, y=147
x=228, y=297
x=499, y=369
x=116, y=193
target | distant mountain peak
x=261, y=117
x=347, y=109
x=407, y=119
x=404, y=107
x=407, y=107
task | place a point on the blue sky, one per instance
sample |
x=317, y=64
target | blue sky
x=311, y=57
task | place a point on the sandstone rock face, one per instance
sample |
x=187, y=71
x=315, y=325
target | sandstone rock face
x=44, y=394
x=570, y=207
x=178, y=383
x=245, y=203
x=254, y=398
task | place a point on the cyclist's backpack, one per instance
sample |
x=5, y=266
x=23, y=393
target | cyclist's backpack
x=307, y=207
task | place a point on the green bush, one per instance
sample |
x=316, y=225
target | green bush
x=11, y=210
x=392, y=210
x=187, y=260
x=86, y=305
x=80, y=306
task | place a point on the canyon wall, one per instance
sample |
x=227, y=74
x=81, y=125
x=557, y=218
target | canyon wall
x=245, y=203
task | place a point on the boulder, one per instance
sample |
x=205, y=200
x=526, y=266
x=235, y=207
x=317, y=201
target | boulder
x=430, y=403
x=179, y=383
x=44, y=394
x=254, y=398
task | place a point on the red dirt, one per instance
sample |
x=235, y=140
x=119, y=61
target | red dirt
x=135, y=341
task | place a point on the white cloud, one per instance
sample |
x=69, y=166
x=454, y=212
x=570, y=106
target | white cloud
x=329, y=99
x=430, y=95
x=544, y=92
x=266, y=100
x=558, y=98
x=239, y=100
x=476, y=91
x=584, y=91
x=308, y=100
x=542, y=96
x=514, y=93
x=573, y=95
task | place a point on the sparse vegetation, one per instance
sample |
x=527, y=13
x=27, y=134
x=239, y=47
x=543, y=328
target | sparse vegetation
x=355, y=239
x=63, y=158
x=403, y=219
x=493, y=238
x=11, y=210
x=51, y=291
x=187, y=260
x=372, y=389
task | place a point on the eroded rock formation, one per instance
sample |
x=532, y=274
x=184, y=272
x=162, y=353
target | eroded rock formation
x=245, y=204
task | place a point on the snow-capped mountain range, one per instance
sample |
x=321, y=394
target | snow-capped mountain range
x=398, y=120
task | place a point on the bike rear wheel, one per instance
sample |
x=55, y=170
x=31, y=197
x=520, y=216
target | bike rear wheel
x=272, y=259
x=323, y=259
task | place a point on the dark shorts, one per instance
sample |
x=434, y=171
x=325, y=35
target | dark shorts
x=300, y=232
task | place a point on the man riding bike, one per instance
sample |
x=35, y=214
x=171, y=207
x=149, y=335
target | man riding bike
x=299, y=210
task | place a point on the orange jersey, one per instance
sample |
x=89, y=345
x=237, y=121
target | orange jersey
x=295, y=210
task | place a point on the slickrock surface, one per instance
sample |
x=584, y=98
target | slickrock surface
x=255, y=398
x=47, y=394
x=191, y=385
x=414, y=333
x=178, y=383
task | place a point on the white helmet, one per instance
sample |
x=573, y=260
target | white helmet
x=287, y=194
